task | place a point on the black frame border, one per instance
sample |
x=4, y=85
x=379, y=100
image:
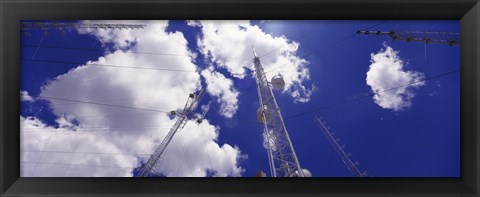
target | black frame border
x=12, y=11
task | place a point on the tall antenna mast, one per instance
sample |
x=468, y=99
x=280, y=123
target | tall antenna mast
x=340, y=150
x=75, y=25
x=182, y=120
x=449, y=38
x=282, y=158
x=66, y=26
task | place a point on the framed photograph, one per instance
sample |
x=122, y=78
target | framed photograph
x=240, y=98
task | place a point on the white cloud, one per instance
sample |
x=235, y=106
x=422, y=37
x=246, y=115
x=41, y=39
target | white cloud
x=128, y=131
x=229, y=45
x=24, y=96
x=223, y=89
x=193, y=23
x=46, y=151
x=386, y=72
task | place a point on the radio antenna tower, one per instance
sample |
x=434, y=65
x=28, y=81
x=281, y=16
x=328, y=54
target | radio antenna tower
x=340, y=150
x=63, y=26
x=182, y=120
x=282, y=158
x=449, y=38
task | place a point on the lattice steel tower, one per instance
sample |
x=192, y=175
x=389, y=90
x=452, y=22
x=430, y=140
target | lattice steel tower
x=47, y=25
x=449, y=38
x=72, y=25
x=182, y=120
x=282, y=158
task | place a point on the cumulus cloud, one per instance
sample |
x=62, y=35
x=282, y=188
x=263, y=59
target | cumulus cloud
x=387, y=71
x=47, y=151
x=223, y=89
x=24, y=96
x=193, y=23
x=131, y=134
x=229, y=45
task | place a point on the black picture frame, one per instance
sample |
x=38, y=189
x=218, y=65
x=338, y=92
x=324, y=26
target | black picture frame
x=12, y=11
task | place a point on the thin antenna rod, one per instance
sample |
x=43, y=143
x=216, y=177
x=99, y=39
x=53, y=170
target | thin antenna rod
x=340, y=151
x=254, y=52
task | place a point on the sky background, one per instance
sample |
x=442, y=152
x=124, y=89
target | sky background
x=86, y=112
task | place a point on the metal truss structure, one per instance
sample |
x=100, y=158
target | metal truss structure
x=282, y=158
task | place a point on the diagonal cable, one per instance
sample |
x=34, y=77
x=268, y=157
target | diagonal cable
x=102, y=104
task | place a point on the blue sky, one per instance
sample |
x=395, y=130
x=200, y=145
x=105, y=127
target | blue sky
x=420, y=139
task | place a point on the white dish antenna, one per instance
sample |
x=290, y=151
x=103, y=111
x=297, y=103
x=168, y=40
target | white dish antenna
x=260, y=114
x=278, y=83
x=306, y=173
